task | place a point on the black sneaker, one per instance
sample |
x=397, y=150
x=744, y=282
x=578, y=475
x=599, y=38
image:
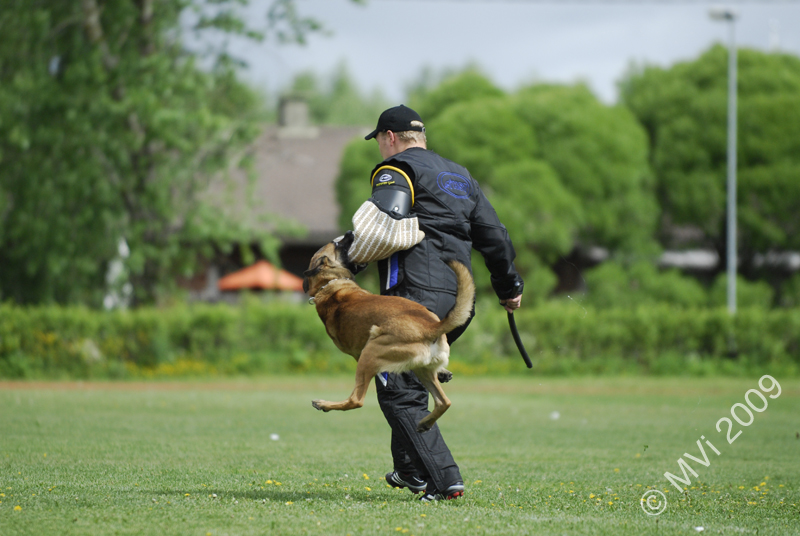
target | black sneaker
x=412, y=482
x=453, y=492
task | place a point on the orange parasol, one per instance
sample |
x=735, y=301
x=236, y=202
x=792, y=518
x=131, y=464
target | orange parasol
x=261, y=275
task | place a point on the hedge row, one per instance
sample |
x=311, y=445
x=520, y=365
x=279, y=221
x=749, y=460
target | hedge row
x=280, y=337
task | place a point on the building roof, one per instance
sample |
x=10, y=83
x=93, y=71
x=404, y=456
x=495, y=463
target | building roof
x=295, y=173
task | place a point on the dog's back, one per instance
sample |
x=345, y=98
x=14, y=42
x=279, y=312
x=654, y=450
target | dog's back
x=354, y=316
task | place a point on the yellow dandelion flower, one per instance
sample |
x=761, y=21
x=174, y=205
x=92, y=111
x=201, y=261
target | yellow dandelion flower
x=268, y=482
x=610, y=503
x=367, y=488
x=185, y=494
x=741, y=487
x=17, y=508
x=616, y=469
x=398, y=529
x=477, y=481
x=278, y=484
x=366, y=476
x=763, y=484
x=289, y=502
x=591, y=495
x=423, y=515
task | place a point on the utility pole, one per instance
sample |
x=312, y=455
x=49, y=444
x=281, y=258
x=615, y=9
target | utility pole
x=729, y=15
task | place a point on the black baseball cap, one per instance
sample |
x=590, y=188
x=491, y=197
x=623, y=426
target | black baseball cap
x=397, y=119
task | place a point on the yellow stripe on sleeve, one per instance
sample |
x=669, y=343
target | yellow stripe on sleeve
x=401, y=172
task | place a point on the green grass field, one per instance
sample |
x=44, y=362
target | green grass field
x=198, y=458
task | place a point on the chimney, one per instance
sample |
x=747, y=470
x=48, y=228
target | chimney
x=294, y=121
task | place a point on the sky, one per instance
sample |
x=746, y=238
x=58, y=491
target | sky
x=387, y=43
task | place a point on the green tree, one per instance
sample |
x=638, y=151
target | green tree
x=353, y=182
x=683, y=109
x=467, y=85
x=481, y=135
x=600, y=155
x=110, y=130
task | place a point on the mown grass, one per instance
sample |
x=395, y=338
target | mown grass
x=198, y=458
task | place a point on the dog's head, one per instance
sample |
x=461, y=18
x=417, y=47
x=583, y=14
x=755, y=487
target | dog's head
x=329, y=262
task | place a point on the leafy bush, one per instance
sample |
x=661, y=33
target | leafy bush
x=613, y=285
x=790, y=292
x=748, y=293
x=278, y=337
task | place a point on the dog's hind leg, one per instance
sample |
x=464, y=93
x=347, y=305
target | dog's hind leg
x=366, y=369
x=441, y=403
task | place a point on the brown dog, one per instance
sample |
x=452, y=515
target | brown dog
x=383, y=333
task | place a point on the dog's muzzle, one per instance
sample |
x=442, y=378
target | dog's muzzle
x=342, y=244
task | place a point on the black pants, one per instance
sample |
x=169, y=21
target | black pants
x=404, y=401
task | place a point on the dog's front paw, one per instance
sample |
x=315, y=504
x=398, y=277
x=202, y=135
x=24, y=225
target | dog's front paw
x=319, y=404
x=423, y=427
x=444, y=376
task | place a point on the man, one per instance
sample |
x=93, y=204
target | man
x=414, y=185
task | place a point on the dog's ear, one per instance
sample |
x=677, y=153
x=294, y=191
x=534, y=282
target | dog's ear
x=308, y=274
x=311, y=272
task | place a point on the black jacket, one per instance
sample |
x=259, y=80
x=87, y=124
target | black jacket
x=455, y=216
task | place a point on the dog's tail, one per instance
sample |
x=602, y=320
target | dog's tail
x=465, y=298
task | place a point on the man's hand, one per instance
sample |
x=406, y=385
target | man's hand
x=512, y=304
